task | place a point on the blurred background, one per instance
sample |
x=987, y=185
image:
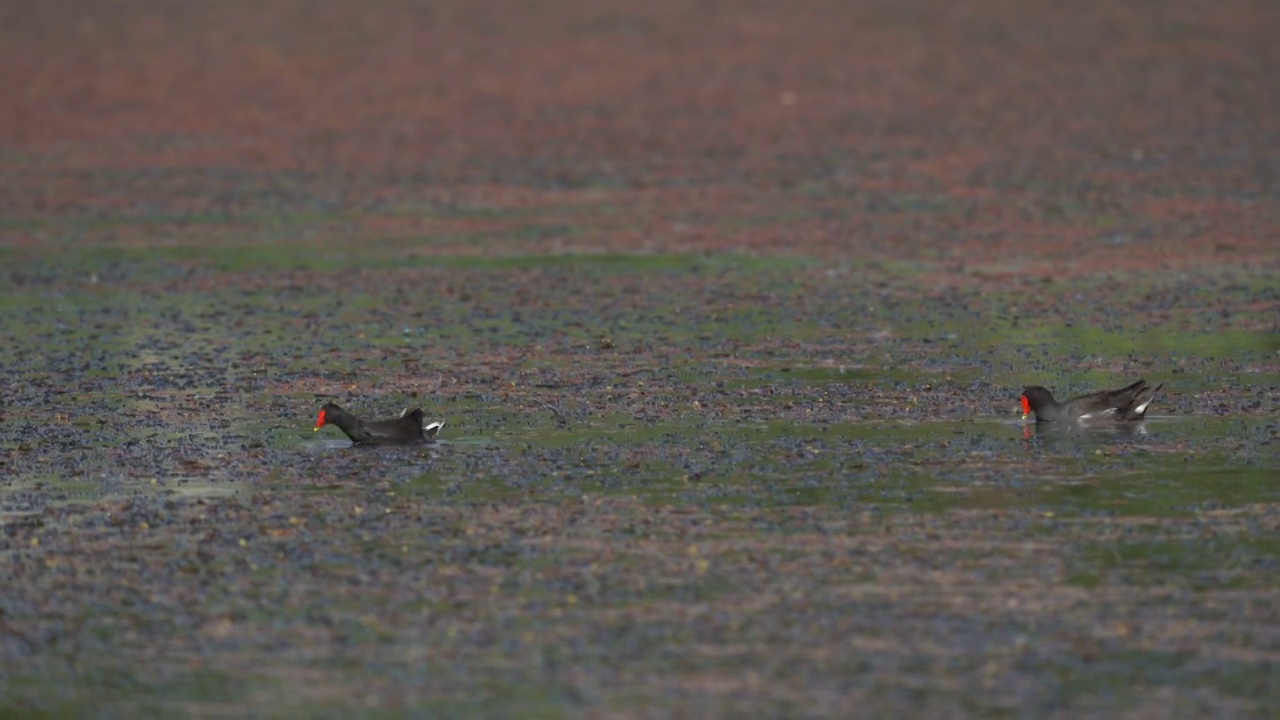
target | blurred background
x=976, y=130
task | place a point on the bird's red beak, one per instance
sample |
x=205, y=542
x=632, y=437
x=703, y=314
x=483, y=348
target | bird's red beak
x=320, y=421
x=1026, y=407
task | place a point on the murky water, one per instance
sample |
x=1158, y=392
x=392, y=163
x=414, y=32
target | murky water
x=208, y=387
x=625, y=444
x=1163, y=466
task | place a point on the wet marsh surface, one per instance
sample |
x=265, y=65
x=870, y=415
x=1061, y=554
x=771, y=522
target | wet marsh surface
x=727, y=431
x=696, y=481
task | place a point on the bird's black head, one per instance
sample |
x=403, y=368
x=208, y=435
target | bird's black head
x=1033, y=398
x=329, y=412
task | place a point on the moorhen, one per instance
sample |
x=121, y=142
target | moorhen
x=1127, y=403
x=404, y=430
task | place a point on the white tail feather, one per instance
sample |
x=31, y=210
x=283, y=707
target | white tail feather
x=432, y=430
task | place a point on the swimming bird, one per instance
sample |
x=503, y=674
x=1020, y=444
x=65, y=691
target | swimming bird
x=1127, y=403
x=404, y=430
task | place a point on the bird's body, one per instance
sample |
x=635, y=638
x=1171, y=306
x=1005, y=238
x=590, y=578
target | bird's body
x=404, y=430
x=1128, y=403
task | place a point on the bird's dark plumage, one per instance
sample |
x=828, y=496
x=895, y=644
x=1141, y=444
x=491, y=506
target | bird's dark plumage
x=404, y=430
x=1126, y=404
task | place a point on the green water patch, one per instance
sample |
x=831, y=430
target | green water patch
x=1224, y=560
x=1123, y=670
x=1156, y=342
x=1163, y=469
